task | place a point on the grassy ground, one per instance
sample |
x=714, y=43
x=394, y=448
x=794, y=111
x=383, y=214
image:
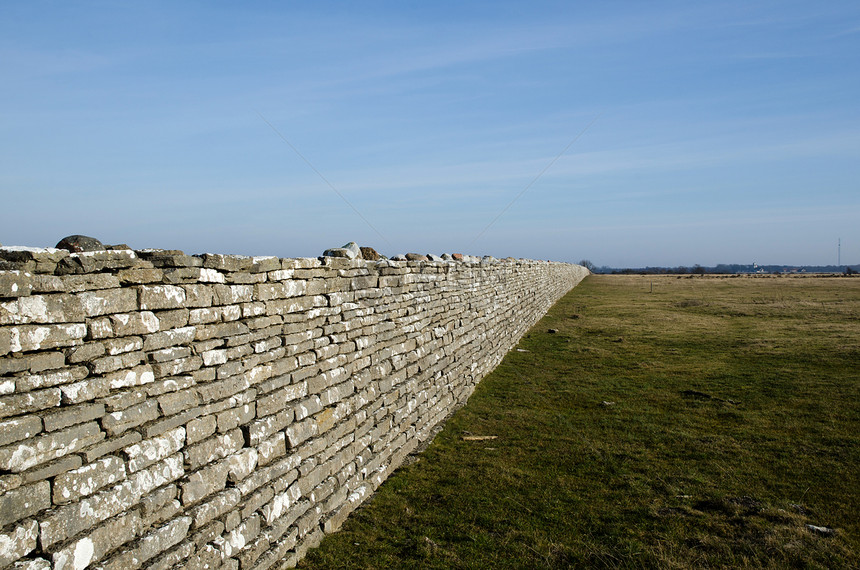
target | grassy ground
x=669, y=423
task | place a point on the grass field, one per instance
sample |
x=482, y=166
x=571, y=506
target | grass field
x=668, y=423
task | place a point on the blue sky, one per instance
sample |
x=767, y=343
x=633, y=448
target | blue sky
x=703, y=132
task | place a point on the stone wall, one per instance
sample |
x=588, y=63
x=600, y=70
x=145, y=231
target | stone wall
x=162, y=410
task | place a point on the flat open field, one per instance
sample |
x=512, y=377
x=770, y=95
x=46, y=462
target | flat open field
x=669, y=422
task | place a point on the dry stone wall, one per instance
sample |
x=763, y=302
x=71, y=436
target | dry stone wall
x=162, y=410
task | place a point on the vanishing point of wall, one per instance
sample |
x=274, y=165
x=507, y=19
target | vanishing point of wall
x=162, y=410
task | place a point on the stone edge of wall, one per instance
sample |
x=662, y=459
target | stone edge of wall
x=159, y=409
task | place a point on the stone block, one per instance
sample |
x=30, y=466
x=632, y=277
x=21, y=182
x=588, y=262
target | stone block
x=15, y=284
x=23, y=502
x=213, y=448
x=139, y=276
x=34, y=363
x=176, y=367
x=137, y=376
x=167, y=354
x=19, y=428
x=52, y=378
x=300, y=432
x=241, y=464
x=201, y=428
x=78, y=483
x=107, y=364
x=41, y=309
x=108, y=301
x=28, y=453
x=18, y=542
x=197, y=295
x=110, y=445
x=173, y=318
x=169, y=338
x=25, y=338
x=86, y=352
x=67, y=521
x=91, y=548
x=116, y=423
x=262, y=428
x=85, y=391
x=175, y=402
x=241, y=536
x=134, y=323
x=215, y=507
x=207, y=481
x=154, y=297
x=122, y=345
x=19, y=404
x=69, y=416
x=235, y=417
x=232, y=294
x=121, y=400
x=152, y=544
x=144, y=453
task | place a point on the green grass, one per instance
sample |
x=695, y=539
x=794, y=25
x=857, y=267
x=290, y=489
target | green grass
x=701, y=424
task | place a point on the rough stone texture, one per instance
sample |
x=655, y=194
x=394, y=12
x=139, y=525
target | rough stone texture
x=369, y=253
x=78, y=243
x=164, y=410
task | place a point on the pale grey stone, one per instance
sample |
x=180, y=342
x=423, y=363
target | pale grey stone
x=88, y=479
x=18, y=542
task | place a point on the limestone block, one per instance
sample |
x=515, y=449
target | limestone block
x=110, y=446
x=107, y=301
x=121, y=400
x=48, y=379
x=300, y=431
x=15, y=283
x=137, y=376
x=215, y=507
x=84, y=551
x=204, y=315
x=73, y=485
x=123, y=345
x=235, y=417
x=201, y=428
x=161, y=297
x=232, y=294
x=116, y=423
x=241, y=464
x=175, y=402
x=19, y=428
x=69, y=520
x=26, y=338
x=262, y=428
x=43, y=448
x=18, y=542
x=72, y=415
x=281, y=503
x=238, y=538
x=17, y=404
x=144, y=453
x=34, y=363
x=24, y=501
x=41, y=309
x=206, y=481
x=172, y=318
x=169, y=338
x=167, y=354
x=152, y=544
x=212, y=449
x=107, y=364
